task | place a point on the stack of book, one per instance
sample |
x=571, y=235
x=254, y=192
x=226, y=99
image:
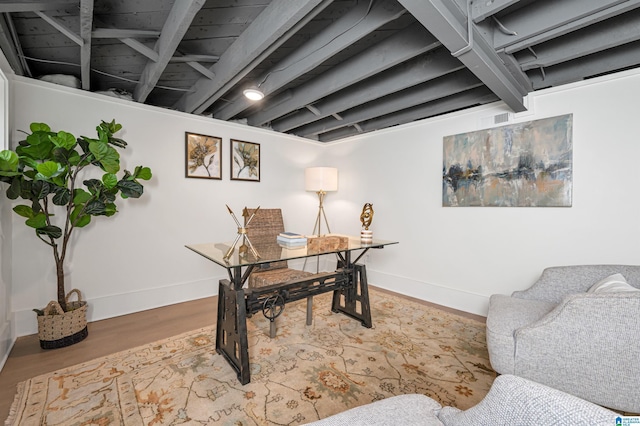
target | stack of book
x=291, y=240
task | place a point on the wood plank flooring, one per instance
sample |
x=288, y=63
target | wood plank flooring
x=112, y=335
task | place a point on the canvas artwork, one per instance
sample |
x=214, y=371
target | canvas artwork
x=521, y=165
x=245, y=160
x=203, y=156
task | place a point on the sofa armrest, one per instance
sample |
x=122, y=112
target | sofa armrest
x=587, y=337
x=516, y=401
x=559, y=281
x=413, y=409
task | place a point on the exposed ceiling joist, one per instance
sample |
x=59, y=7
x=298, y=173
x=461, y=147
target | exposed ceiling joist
x=360, y=21
x=35, y=5
x=523, y=41
x=621, y=57
x=411, y=73
x=330, y=68
x=527, y=24
x=61, y=27
x=476, y=96
x=268, y=31
x=445, y=86
x=86, y=26
x=402, y=46
x=617, y=31
x=10, y=46
x=481, y=10
x=446, y=21
x=124, y=33
x=176, y=25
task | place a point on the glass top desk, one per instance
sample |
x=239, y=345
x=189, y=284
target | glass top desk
x=348, y=283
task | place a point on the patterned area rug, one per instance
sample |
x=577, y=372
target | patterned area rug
x=305, y=373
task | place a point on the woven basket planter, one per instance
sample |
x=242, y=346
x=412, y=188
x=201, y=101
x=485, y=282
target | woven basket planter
x=57, y=328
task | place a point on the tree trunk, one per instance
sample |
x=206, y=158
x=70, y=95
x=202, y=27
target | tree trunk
x=62, y=297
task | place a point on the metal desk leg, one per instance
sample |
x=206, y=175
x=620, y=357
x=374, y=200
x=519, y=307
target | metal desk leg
x=231, y=330
x=356, y=293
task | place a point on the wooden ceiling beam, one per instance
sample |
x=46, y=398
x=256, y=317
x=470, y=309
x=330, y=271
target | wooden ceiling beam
x=413, y=72
x=86, y=28
x=400, y=47
x=277, y=23
x=175, y=27
x=349, y=28
x=454, y=28
x=35, y=5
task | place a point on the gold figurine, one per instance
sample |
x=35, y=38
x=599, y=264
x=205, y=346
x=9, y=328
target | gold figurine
x=366, y=216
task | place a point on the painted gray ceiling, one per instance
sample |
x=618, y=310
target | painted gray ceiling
x=330, y=69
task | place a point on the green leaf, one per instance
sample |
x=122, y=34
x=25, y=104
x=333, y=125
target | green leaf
x=83, y=221
x=62, y=197
x=50, y=168
x=8, y=161
x=40, y=189
x=39, y=151
x=95, y=208
x=29, y=162
x=110, y=180
x=39, y=127
x=98, y=149
x=80, y=196
x=51, y=231
x=143, y=173
x=74, y=158
x=63, y=140
x=24, y=211
x=110, y=209
x=94, y=186
x=37, y=221
x=130, y=188
x=107, y=156
x=79, y=220
x=15, y=189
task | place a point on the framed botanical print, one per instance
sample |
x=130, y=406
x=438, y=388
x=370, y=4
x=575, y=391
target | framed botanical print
x=203, y=156
x=245, y=160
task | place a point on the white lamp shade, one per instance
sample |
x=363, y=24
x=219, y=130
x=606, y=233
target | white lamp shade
x=321, y=179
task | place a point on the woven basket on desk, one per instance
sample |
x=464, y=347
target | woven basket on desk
x=57, y=328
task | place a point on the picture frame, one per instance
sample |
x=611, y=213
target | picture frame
x=203, y=155
x=245, y=160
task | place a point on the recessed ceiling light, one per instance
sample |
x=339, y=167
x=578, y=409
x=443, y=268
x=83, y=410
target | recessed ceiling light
x=253, y=93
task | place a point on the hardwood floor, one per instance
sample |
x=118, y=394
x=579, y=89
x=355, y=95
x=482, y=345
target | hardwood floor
x=112, y=335
x=108, y=336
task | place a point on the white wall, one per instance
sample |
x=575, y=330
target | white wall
x=136, y=260
x=459, y=256
x=7, y=329
x=453, y=256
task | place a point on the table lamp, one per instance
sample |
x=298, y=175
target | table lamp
x=321, y=180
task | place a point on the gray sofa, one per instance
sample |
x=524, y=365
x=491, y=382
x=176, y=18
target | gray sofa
x=573, y=335
x=511, y=401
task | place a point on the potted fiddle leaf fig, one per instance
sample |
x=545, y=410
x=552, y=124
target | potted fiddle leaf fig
x=65, y=182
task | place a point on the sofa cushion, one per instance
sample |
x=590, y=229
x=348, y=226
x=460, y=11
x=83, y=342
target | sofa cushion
x=506, y=315
x=413, y=409
x=513, y=400
x=612, y=284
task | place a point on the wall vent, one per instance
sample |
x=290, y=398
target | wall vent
x=505, y=117
x=495, y=120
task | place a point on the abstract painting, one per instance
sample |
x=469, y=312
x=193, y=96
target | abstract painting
x=203, y=156
x=521, y=165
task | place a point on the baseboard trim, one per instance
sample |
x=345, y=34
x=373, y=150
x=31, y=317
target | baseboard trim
x=7, y=340
x=121, y=304
x=457, y=299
